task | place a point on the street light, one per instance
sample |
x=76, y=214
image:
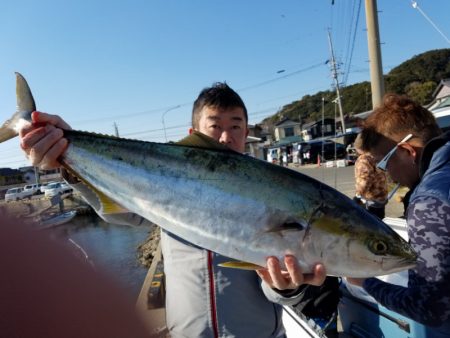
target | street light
x=163, y=115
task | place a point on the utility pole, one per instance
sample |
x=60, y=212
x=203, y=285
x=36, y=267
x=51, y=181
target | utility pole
x=116, y=129
x=336, y=82
x=323, y=119
x=36, y=175
x=300, y=121
x=373, y=41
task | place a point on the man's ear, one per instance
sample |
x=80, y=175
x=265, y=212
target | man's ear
x=247, y=131
x=410, y=149
x=191, y=130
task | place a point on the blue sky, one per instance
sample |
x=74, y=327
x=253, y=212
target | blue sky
x=128, y=62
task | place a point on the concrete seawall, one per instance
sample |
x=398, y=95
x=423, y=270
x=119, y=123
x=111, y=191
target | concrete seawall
x=39, y=203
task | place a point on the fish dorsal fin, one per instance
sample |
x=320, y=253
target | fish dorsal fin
x=199, y=140
x=240, y=265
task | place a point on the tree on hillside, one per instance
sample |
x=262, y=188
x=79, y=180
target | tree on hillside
x=421, y=92
x=432, y=66
x=417, y=77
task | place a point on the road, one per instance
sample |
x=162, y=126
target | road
x=343, y=179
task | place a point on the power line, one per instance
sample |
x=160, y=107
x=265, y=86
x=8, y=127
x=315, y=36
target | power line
x=15, y=156
x=9, y=150
x=350, y=33
x=186, y=125
x=158, y=129
x=416, y=6
x=154, y=137
x=161, y=110
x=122, y=116
x=282, y=77
x=21, y=161
x=350, y=57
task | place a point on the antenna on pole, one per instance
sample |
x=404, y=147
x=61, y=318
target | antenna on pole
x=336, y=82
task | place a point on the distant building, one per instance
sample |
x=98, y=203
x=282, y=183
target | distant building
x=49, y=175
x=440, y=106
x=255, y=130
x=440, y=94
x=28, y=174
x=10, y=176
x=254, y=145
x=287, y=128
x=313, y=130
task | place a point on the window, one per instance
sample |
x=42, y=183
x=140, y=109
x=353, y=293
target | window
x=289, y=131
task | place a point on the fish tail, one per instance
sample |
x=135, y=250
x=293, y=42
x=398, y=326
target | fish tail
x=25, y=106
x=6, y=133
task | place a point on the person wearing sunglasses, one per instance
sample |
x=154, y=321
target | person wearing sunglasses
x=407, y=143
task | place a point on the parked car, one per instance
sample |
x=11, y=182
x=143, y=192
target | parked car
x=32, y=189
x=56, y=188
x=15, y=194
x=45, y=186
x=442, y=115
x=313, y=149
x=352, y=156
x=272, y=155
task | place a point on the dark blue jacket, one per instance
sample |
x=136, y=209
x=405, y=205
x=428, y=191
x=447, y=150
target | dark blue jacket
x=427, y=297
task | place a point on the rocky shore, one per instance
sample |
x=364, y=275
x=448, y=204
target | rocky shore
x=147, y=250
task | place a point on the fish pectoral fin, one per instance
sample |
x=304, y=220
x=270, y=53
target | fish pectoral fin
x=287, y=226
x=199, y=140
x=241, y=265
x=108, y=206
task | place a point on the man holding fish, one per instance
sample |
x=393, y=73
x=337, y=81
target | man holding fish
x=218, y=208
x=203, y=299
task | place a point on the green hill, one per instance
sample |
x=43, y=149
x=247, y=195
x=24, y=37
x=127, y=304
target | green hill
x=417, y=77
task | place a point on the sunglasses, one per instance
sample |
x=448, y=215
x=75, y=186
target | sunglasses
x=382, y=165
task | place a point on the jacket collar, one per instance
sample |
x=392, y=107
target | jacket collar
x=429, y=151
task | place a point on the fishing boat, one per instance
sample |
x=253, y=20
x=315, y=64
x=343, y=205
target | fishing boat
x=57, y=220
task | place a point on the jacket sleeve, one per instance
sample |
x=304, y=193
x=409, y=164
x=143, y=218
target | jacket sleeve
x=425, y=304
x=288, y=297
x=126, y=218
x=426, y=299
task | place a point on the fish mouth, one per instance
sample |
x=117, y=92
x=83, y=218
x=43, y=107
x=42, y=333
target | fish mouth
x=394, y=265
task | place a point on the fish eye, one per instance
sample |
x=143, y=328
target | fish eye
x=378, y=247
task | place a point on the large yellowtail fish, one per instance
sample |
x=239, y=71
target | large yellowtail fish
x=230, y=203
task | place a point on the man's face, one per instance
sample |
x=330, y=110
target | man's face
x=227, y=126
x=400, y=166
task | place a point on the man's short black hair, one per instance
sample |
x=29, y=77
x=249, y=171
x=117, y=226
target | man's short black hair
x=219, y=96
